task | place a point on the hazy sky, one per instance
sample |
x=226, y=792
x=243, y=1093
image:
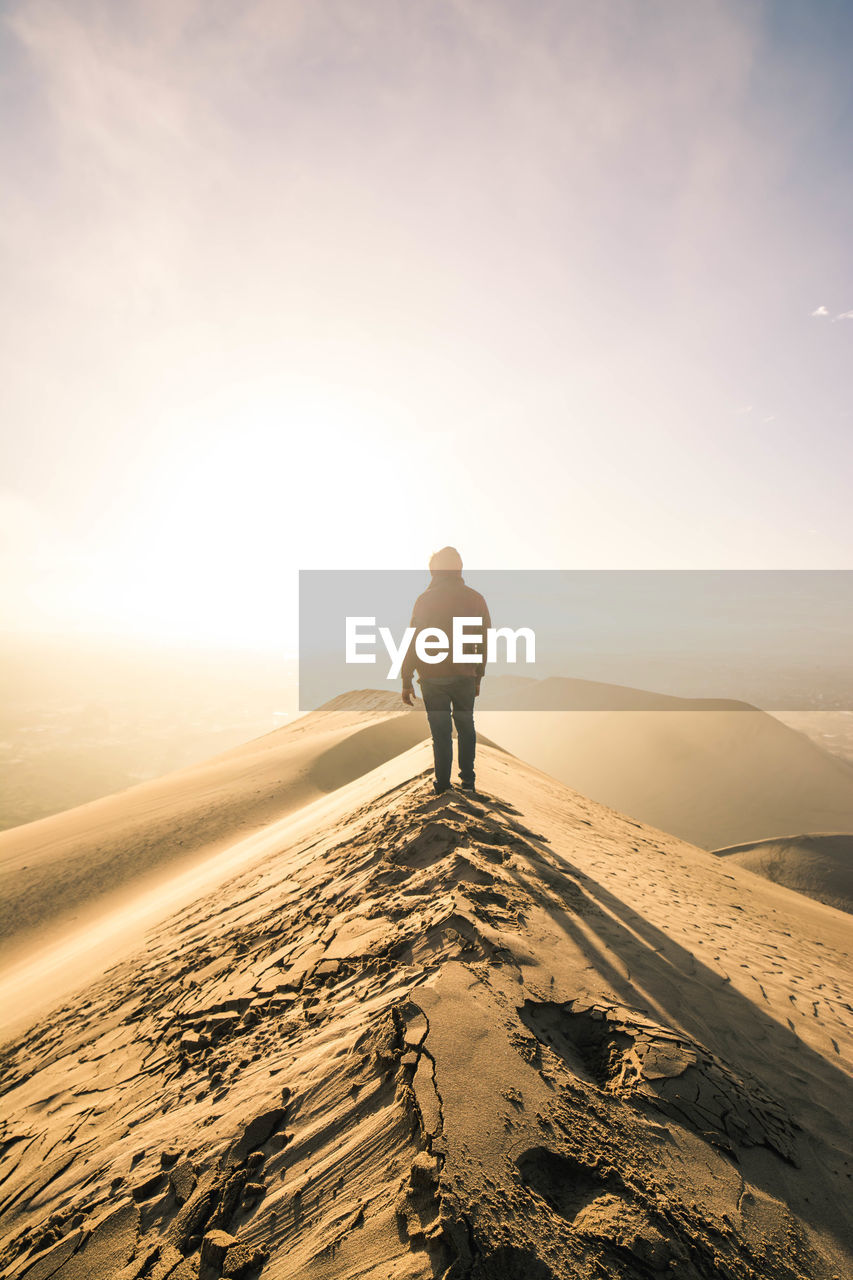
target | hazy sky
x=328, y=284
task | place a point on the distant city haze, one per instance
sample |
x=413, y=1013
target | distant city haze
x=80, y=720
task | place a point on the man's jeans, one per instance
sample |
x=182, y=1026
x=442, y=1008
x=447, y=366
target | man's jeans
x=443, y=700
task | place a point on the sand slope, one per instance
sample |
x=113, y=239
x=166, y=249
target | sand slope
x=519, y=1036
x=70, y=866
x=714, y=777
x=819, y=865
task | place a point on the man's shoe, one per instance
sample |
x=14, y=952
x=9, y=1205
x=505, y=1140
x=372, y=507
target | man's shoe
x=468, y=787
x=439, y=790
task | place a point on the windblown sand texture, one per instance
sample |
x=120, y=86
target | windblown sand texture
x=511, y=1036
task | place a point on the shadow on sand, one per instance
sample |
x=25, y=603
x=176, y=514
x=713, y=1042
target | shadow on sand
x=661, y=975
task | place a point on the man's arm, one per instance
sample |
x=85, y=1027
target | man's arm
x=487, y=622
x=407, y=671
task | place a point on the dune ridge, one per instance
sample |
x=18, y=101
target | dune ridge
x=74, y=865
x=511, y=1036
x=820, y=864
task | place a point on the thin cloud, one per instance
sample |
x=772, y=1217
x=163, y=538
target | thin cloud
x=819, y=311
x=845, y=315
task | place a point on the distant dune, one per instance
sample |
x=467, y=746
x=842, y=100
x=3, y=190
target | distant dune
x=819, y=865
x=832, y=730
x=571, y=694
x=713, y=773
x=63, y=867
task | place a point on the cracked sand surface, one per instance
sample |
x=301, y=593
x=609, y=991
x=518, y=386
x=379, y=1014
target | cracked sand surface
x=505, y=1036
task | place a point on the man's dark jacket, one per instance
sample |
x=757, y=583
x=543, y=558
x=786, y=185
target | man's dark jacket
x=447, y=597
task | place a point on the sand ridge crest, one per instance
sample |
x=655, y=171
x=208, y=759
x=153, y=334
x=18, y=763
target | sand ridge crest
x=363, y=1058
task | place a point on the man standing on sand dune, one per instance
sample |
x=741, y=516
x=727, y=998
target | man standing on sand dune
x=448, y=688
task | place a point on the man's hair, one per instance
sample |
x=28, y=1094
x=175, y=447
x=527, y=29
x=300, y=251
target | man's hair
x=446, y=558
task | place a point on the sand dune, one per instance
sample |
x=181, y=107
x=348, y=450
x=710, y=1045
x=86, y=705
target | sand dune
x=517, y=1036
x=715, y=777
x=567, y=693
x=831, y=730
x=67, y=867
x=819, y=865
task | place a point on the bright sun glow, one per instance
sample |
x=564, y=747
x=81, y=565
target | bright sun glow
x=206, y=549
x=296, y=286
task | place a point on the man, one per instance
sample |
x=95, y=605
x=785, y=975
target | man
x=447, y=688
